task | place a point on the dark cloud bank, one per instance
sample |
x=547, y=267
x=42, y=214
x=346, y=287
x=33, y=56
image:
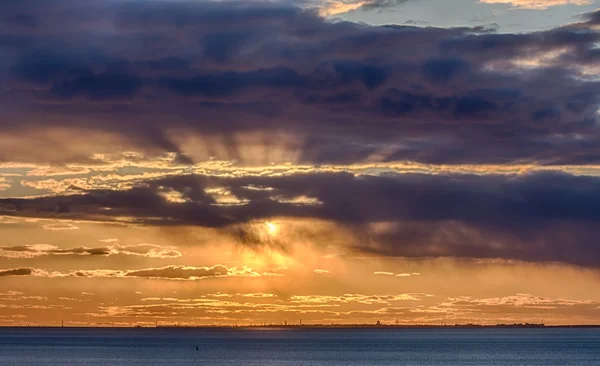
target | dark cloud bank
x=140, y=69
x=535, y=217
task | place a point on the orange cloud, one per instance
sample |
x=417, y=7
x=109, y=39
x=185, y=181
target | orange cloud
x=173, y=272
x=339, y=7
x=37, y=250
x=538, y=4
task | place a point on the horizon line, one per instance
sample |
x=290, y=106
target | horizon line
x=314, y=326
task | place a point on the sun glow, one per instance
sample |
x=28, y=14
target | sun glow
x=272, y=228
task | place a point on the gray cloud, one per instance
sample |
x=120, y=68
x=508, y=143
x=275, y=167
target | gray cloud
x=345, y=91
x=172, y=272
x=16, y=272
x=383, y=4
x=234, y=74
x=143, y=250
x=537, y=217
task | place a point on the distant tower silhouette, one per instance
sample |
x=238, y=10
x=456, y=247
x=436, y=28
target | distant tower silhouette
x=62, y=323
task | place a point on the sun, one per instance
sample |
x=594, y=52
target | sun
x=272, y=228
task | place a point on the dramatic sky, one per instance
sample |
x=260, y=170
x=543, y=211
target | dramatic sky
x=218, y=162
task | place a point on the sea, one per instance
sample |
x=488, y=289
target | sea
x=296, y=347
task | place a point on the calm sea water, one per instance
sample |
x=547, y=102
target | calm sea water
x=300, y=347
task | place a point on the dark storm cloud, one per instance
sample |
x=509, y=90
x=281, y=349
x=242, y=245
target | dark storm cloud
x=226, y=84
x=139, y=69
x=533, y=217
x=592, y=17
x=441, y=70
x=344, y=198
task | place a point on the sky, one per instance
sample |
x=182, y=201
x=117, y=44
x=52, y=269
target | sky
x=505, y=16
x=248, y=162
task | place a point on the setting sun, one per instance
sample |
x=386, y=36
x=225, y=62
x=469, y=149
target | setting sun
x=272, y=228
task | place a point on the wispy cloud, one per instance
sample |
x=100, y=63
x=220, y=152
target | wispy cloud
x=59, y=227
x=330, y=8
x=409, y=215
x=37, y=250
x=4, y=183
x=173, y=272
x=407, y=274
x=538, y=4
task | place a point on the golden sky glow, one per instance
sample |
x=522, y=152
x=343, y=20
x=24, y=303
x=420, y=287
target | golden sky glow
x=272, y=228
x=101, y=274
x=237, y=162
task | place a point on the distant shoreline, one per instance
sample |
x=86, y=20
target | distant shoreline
x=309, y=326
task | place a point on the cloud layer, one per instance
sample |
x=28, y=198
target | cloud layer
x=173, y=272
x=37, y=250
x=538, y=217
x=287, y=164
x=240, y=85
x=538, y=4
x=153, y=76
